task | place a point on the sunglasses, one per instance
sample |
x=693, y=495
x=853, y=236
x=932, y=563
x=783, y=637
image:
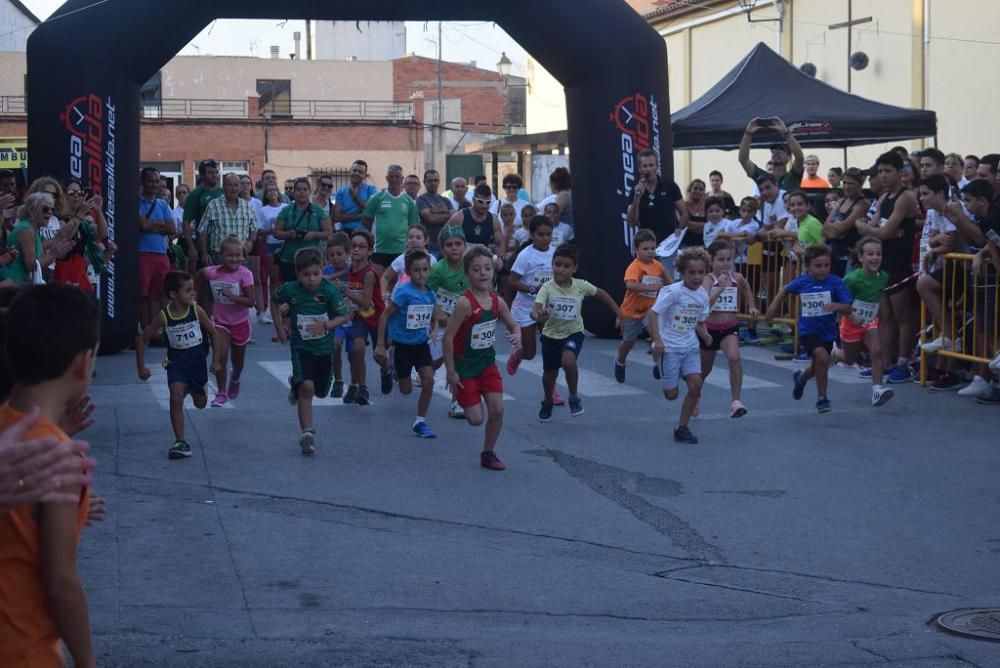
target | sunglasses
x=325, y=184
x=482, y=202
x=209, y=163
x=74, y=193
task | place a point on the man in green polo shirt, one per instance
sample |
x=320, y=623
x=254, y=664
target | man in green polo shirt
x=196, y=205
x=393, y=212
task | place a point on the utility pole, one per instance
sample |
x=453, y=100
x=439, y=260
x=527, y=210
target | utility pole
x=849, y=24
x=439, y=125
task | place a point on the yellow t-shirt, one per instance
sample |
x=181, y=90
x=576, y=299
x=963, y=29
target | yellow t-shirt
x=566, y=304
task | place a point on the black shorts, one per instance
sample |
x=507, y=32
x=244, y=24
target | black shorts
x=717, y=336
x=286, y=272
x=552, y=350
x=315, y=368
x=810, y=342
x=189, y=368
x=383, y=259
x=406, y=357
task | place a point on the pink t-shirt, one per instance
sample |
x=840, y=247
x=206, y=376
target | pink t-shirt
x=224, y=311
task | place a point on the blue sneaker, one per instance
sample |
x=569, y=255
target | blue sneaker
x=823, y=405
x=803, y=358
x=899, y=374
x=752, y=338
x=422, y=430
x=865, y=373
x=799, y=387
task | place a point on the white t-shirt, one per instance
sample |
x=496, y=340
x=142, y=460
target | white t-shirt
x=521, y=235
x=258, y=211
x=935, y=221
x=535, y=268
x=562, y=234
x=773, y=212
x=179, y=215
x=738, y=227
x=712, y=230
x=518, y=204
x=399, y=266
x=678, y=311
x=268, y=215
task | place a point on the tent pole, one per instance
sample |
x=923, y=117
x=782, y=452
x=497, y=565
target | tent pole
x=845, y=158
x=935, y=141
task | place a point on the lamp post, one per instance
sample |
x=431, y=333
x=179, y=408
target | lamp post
x=749, y=5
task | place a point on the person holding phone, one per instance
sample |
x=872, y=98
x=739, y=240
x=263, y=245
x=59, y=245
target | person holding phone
x=789, y=179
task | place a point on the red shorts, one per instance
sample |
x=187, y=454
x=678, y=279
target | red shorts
x=153, y=267
x=851, y=333
x=489, y=381
x=73, y=271
x=239, y=334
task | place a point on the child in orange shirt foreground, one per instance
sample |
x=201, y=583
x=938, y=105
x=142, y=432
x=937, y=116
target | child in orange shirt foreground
x=643, y=280
x=51, y=353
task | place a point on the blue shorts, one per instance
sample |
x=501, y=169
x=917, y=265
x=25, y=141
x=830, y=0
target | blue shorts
x=675, y=365
x=360, y=330
x=344, y=337
x=189, y=368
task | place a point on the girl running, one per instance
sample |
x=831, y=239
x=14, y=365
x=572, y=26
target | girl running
x=867, y=284
x=416, y=238
x=724, y=287
x=232, y=287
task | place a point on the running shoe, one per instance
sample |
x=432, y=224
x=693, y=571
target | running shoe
x=352, y=394
x=865, y=372
x=975, y=388
x=823, y=405
x=456, y=411
x=619, y=372
x=575, y=406
x=545, y=412
x=798, y=386
x=937, y=344
x=899, y=374
x=881, y=395
x=946, y=382
x=489, y=460
x=557, y=399
x=422, y=430
x=803, y=358
x=179, y=450
x=386, y=374
x=220, y=400
x=995, y=362
x=684, y=435
x=307, y=440
x=264, y=317
x=363, y=398
x=338, y=389
x=293, y=394
x=752, y=338
x=738, y=409
x=990, y=397
x=233, y=390
x=513, y=362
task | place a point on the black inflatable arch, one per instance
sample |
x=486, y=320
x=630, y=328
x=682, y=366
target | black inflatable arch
x=86, y=68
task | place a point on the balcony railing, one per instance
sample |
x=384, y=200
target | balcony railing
x=347, y=110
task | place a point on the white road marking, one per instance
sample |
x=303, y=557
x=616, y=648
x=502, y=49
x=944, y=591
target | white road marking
x=766, y=356
x=592, y=384
x=161, y=391
x=283, y=369
x=718, y=378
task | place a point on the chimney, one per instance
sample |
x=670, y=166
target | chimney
x=297, y=36
x=275, y=51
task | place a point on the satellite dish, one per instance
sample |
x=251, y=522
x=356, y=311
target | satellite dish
x=859, y=60
x=808, y=69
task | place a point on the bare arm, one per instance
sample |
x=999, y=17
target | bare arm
x=325, y=230
x=462, y=311
x=605, y=298
x=835, y=229
x=209, y=326
x=906, y=205
x=383, y=321
x=746, y=163
x=775, y=304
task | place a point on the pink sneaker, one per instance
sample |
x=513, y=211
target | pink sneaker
x=233, y=390
x=220, y=400
x=513, y=362
x=557, y=399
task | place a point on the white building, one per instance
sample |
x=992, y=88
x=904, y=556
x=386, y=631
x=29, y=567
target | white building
x=16, y=23
x=358, y=40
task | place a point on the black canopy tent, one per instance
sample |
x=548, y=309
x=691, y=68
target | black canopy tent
x=819, y=115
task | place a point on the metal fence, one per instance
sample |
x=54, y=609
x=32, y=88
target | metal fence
x=13, y=105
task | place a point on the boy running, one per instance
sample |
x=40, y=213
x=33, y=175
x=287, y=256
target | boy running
x=447, y=281
x=643, y=280
x=338, y=266
x=558, y=306
x=315, y=309
x=364, y=301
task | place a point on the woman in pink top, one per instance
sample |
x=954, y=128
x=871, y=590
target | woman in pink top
x=232, y=289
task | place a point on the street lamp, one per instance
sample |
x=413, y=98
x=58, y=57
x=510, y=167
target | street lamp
x=503, y=67
x=749, y=5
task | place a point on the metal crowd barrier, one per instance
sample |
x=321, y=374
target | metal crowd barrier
x=768, y=267
x=970, y=310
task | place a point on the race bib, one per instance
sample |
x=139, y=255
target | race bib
x=418, y=316
x=653, y=283
x=304, y=321
x=883, y=222
x=540, y=278
x=446, y=300
x=728, y=300
x=219, y=286
x=867, y=311
x=813, y=303
x=685, y=319
x=565, y=308
x=187, y=335
x=483, y=335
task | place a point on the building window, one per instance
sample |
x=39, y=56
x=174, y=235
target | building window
x=275, y=97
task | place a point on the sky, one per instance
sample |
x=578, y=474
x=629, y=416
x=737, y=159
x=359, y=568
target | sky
x=464, y=41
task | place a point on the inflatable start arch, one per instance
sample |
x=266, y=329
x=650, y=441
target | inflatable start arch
x=86, y=65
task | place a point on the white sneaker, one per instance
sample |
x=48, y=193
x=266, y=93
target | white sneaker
x=881, y=395
x=937, y=344
x=975, y=388
x=264, y=317
x=456, y=411
x=995, y=364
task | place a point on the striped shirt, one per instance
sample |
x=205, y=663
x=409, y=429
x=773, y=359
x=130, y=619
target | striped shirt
x=221, y=221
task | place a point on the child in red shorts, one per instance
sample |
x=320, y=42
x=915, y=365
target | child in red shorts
x=469, y=353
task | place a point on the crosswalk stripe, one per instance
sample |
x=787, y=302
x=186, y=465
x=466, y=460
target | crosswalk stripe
x=282, y=369
x=718, y=378
x=592, y=384
x=837, y=374
x=161, y=391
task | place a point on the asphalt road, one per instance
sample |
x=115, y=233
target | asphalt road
x=785, y=538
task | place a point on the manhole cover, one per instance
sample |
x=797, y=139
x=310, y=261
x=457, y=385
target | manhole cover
x=983, y=623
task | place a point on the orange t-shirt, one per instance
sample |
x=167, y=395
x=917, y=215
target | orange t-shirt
x=635, y=304
x=28, y=635
x=818, y=182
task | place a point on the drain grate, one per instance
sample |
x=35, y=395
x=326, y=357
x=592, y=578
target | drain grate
x=982, y=623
